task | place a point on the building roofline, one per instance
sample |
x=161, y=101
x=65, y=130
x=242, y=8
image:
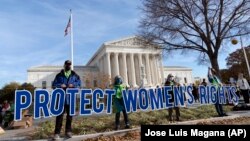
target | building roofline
x=106, y=44
x=120, y=39
x=55, y=68
x=95, y=54
x=177, y=67
x=109, y=43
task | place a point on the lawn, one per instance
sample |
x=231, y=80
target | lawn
x=94, y=124
x=136, y=135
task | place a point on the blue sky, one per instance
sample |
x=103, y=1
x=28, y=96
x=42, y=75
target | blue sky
x=32, y=34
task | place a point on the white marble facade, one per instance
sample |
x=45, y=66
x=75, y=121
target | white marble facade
x=128, y=58
x=183, y=75
x=43, y=76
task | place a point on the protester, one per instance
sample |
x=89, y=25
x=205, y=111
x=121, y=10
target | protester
x=244, y=87
x=233, y=83
x=214, y=80
x=170, y=82
x=119, y=104
x=237, y=90
x=204, y=83
x=5, y=107
x=157, y=87
x=9, y=115
x=67, y=78
x=12, y=107
x=195, y=93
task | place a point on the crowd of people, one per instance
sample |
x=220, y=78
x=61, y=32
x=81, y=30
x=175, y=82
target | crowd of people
x=242, y=87
x=67, y=78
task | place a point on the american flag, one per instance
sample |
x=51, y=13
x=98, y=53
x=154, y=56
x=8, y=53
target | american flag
x=67, y=28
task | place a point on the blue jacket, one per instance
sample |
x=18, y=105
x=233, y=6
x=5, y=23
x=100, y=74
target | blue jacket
x=61, y=79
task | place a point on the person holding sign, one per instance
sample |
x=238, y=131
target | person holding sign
x=170, y=82
x=67, y=78
x=214, y=80
x=119, y=104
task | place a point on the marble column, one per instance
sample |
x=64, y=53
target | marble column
x=161, y=68
x=124, y=63
x=103, y=64
x=140, y=59
x=140, y=65
x=148, y=69
x=156, y=69
x=108, y=70
x=100, y=65
x=97, y=63
x=116, y=68
x=133, y=79
x=152, y=70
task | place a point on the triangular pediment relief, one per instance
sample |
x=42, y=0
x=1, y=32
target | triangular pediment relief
x=130, y=41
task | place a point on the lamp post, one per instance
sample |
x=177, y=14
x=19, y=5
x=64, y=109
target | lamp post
x=245, y=56
x=234, y=41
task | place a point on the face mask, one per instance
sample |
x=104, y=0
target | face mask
x=67, y=68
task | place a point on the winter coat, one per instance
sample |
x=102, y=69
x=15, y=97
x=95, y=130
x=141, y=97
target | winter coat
x=118, y=105
x=62, y=79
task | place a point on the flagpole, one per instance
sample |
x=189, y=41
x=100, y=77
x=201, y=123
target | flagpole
x=71, y=39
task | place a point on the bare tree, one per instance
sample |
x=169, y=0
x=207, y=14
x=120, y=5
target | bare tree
x=236, y=64
x=97, y=80
x=199, y=25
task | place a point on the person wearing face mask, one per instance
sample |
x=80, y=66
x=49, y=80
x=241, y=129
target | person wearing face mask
x=67, y=78
x=170, y=82
x=118, y=104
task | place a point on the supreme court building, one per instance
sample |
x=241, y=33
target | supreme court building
x=139, y=66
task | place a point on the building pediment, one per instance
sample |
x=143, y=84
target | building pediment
x=133, y=42
x=128, y=42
